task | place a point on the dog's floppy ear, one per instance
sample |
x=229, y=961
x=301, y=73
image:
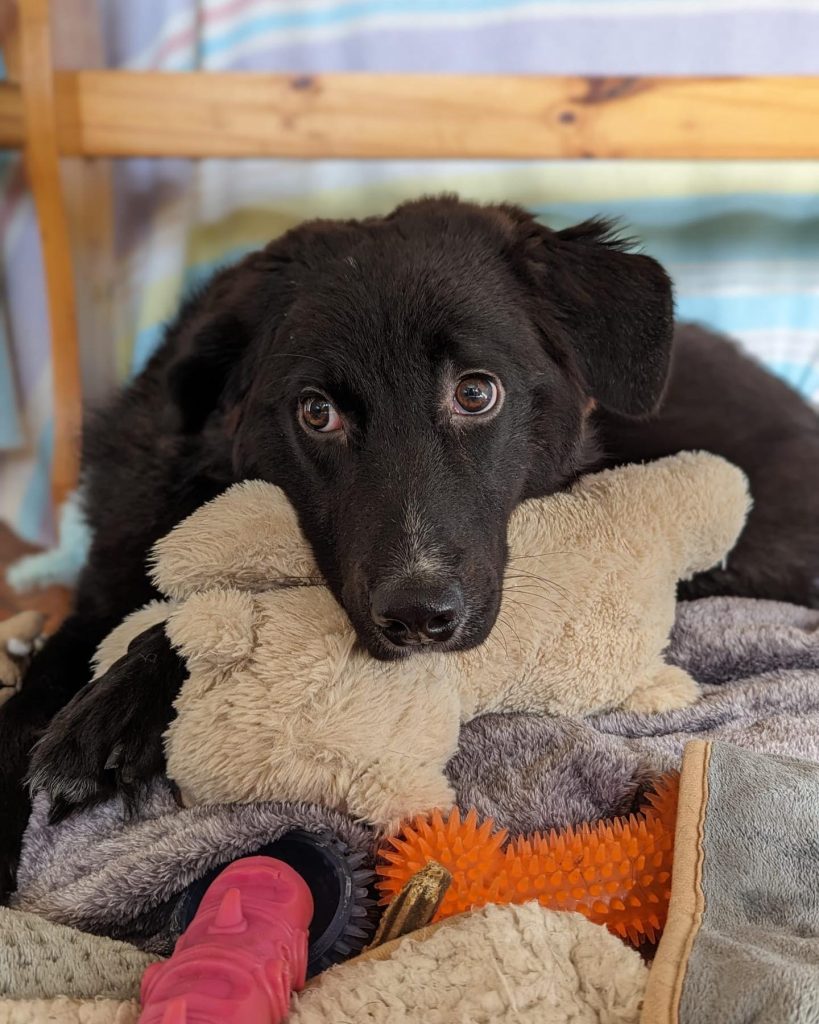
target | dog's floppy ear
x=197, y=377
x=212, y=334
x=613, y=307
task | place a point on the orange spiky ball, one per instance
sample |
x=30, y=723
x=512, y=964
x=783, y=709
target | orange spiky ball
x=616, y=873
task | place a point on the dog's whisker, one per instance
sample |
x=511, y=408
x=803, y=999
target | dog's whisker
x=549, y=554
x=515, y=633
x=520, y=580
x=540, y=579
x=522, y=588
x=526, y=609
x=538, y=609
x=497, y=635
x=544, y=554
x=538, y=601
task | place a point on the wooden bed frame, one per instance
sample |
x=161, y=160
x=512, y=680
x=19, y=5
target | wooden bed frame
x=52, y=114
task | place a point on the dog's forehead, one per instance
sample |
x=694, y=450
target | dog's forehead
x=418, y=332
x=401, y=303
x=408, y=288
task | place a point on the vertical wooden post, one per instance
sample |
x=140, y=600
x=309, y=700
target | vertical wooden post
x=88, y=198
x=43, y=169
x=10, y=39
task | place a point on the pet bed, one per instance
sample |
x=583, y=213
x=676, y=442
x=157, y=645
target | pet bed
x=759, y=665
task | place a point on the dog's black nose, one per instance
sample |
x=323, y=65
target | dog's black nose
x=417, y=615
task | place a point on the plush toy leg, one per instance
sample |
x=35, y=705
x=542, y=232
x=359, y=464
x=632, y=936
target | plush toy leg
x=214, y=627
x=386, y=797
x=667, y=689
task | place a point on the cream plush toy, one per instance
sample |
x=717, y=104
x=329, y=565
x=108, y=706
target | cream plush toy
x=20, y=636
x=282, y=704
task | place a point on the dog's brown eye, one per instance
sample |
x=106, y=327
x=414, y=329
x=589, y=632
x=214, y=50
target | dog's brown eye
x=319, y=413
x=475, y=395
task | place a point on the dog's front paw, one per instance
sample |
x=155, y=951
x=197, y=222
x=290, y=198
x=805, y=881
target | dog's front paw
x=669, y=689
x=93, y=749
x=108, y=739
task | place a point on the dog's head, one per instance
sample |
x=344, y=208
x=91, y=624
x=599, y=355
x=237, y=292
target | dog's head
x=409, y=379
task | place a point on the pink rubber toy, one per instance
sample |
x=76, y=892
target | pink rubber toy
x=242, y=955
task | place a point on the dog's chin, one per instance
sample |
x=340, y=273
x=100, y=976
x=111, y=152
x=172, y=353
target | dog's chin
x=382, y=649
x=470, y=635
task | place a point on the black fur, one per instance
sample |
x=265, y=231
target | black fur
x=720, y=400
x=383, y=315
x=108, y=746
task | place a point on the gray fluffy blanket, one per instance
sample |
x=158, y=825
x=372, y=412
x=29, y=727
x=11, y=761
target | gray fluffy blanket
x=759, y=665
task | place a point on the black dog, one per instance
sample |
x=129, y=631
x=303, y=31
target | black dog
x=407, y=380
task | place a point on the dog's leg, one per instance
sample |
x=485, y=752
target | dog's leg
x=721, y=401
x=108, y=739
x=56, y=673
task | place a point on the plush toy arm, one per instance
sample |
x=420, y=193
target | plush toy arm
x=692, y=505
x=248, y=538
x=708, y=501
x=215, y=628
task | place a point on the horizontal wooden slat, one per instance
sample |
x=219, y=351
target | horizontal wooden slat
x=117, y=113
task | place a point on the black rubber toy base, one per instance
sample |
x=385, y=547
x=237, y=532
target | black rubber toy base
x=344, y=917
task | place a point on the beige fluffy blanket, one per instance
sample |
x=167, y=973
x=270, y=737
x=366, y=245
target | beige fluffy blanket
x=63, y=1010
x=52, y=973
x=523, y=964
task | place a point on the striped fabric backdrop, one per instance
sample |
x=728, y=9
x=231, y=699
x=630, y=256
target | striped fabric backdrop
x=740, y=239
